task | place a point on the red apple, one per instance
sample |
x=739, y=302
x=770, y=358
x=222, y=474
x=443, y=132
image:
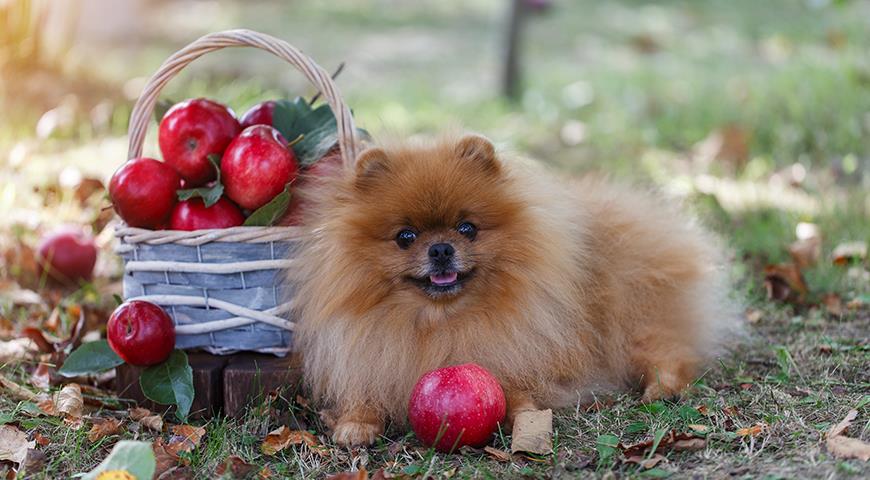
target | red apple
x=463, y=404
x=190, y=132
x=193, y=215
x=67, y=256
x=256, y=166
x=143, y=192
x=259, y=114
x=141, y=333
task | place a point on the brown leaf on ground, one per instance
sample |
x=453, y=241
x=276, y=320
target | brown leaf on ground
x=496, y=454
x=41, y=440
x=21, y=259
x=48, y=407
x=645, y=43
x=15, y=390
x=754, y=315
x=14, y=444
x=833, y=304
x=785, y=282
x=752, y=431
x=165, y=460
x=17, y=349
x=846, y=253
x=185, y=438
x=146, y=418
x=88, y=187
x=700, y=428
x=34, y=462
x=729, y=144
x=265, y=473
x=533, y=432
x=282, y=437
x=844, y=447
x=39, y=339
x=40, y=378
x=69, y=401
x=103, y=427
x=646, y=463
x=671, y=441
x=806, y=253
x=360, y=474
x=235, y=467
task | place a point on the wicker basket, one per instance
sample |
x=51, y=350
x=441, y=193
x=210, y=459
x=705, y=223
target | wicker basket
x=222, y=288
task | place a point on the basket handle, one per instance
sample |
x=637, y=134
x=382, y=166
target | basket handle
x=142, y=111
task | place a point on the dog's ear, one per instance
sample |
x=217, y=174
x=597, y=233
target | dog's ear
x=371, y=163
x=478, y=149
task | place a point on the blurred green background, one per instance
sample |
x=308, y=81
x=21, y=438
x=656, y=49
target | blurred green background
x=756, y=112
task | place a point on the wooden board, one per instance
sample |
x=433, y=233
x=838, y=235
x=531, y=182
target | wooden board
x=223, y=384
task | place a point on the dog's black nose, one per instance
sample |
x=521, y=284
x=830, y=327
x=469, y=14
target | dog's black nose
x=441, y=251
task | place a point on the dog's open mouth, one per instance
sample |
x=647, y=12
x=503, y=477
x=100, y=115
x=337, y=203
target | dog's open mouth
x=443, y=283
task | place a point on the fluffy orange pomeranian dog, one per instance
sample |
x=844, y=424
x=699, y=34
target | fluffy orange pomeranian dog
x=441, y=253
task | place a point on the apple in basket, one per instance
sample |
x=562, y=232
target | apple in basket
x=194, y=215
x=143, y=192
x=256, y=166
x=67, y=256
x=455, y=406
x=190, y=132
x=259, y=114
x=141, y=333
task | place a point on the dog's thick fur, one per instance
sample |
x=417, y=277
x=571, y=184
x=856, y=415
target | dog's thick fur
x=576, y=287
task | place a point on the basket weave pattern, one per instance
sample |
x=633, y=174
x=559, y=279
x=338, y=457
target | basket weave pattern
x=223, y=288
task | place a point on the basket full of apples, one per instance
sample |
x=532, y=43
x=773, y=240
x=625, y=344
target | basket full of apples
x=208, y=231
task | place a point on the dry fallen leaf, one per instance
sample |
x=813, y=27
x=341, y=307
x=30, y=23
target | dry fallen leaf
x=165, y=460
x=806, y=253
x=14, y=444
x=785, y=282
x=754, y=315
x=282, y=437
x=185, y=438
x=103, y=427
x=842, y=446
x=17, y=391
x=729, y=143
x=17, y=349
x=846, y=253
x=533, y=432
x=69, y=401
x=752, y=431
x=700, y=428
x=235, y=467
x=41, y=378
x=360, y=474
x=673, y=440
x=646, y=463
x=833, y=304
x=146, y=418
x=498, y=455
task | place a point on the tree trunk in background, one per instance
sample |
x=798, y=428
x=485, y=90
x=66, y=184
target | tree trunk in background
x=512, y=73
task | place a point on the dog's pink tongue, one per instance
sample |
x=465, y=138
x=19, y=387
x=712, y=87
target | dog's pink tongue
x=444, y=278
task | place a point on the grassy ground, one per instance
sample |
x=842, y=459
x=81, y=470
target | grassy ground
x=636, y=89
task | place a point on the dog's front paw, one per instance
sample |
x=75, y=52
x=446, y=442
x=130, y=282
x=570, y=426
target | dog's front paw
x=354, y=433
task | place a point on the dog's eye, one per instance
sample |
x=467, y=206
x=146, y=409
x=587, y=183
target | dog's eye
x=467, y=230
x=405, y=238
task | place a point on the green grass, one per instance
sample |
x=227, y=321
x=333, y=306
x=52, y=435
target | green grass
x=792, y=76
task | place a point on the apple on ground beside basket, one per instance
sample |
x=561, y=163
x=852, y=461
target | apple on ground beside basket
x=455, y=406
x=141, y=334
x=66, y=256
x=218, y=172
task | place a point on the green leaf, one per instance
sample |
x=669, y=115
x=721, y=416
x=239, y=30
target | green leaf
x=170, y=383
x=655, y=473
x=315, y=144
x=290, y=117
x=636, y=427
x=271, y=212
x=209, y=195
x=91, y=357
x=131, y=456
x=607, y=446
x=161, y=107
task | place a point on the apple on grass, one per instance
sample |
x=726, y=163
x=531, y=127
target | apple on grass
x=143, y=192
x=141, y=333
x=455, y=406
x=67, y=255
x=190, y=132
x=256, y=167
